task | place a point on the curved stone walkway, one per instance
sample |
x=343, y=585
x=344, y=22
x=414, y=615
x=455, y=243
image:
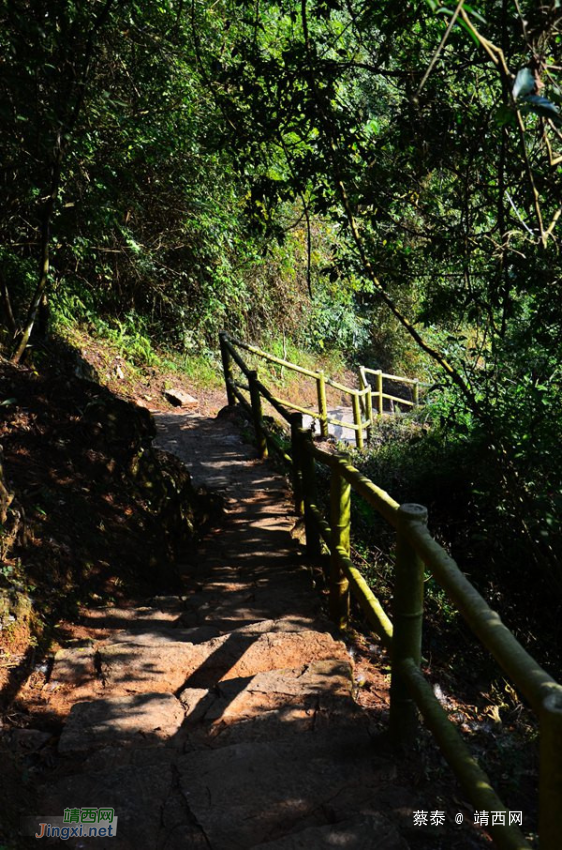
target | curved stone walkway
x=223, y=718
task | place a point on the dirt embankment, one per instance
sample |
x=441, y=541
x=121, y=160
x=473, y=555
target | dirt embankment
x=88, y=507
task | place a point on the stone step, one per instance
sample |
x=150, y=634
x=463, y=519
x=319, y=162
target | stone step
x=272, y=705
x=229, y=610
x=77, y=665
x=369, y=832
x=239, y=796
x=250, y=793
x=142, y=720
x=170, y=666
x=137, y=618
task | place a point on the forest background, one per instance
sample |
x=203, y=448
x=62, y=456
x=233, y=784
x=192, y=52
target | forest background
x=377, y=179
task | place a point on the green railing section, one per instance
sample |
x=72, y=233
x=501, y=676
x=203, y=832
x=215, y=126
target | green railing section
x=364, y=402
x=416, y=551
x=378, y=395
x=361, y=403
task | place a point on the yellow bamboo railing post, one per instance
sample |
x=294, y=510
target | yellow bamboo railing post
x=378, y=391
x=357, y=420
x=310, y=495
x=362, y=386
x=257, y=412
x=362, y=377
x=416, y=393
x=322, y=404
x=550, y=772
x=296, y=454
x=340, y=518
x=227, y=368
x=407, y=619
x=369, y=410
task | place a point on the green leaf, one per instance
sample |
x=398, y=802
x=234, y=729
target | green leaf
x=472, y=11
x=469, y=31
x=504, y=115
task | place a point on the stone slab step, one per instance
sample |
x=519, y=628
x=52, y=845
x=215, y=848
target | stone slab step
x=137, y=721
x=171, y=666
x=151, y=810
x=370, y=832
x=259, y=602
x=162, y=637
x=137, y=618
x=247, y=794
x=272, y=705
x=325, y=682
x=236, y=797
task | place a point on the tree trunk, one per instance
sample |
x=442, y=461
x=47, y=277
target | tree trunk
x=7, y=311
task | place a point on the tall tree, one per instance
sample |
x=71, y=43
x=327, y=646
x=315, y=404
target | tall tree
x=431, y=134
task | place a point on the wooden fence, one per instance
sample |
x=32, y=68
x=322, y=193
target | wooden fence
x=378, y=395
x=415, y=550
x=361, y=399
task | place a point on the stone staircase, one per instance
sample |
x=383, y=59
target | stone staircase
x=223, y=718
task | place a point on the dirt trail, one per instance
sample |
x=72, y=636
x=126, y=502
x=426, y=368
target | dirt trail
x=222, y=718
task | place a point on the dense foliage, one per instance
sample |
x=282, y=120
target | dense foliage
x=121, y=200
x=206, y=165
x=431, y=136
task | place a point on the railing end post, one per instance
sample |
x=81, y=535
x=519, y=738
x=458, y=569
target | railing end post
x=322, y=404
x=227, y=368
x=550, y=773
x=408, y=621
x=310, y=496
x=413, y=511
x=340, y=521
x=257, y=411
x=380, y=402
x=296, y=454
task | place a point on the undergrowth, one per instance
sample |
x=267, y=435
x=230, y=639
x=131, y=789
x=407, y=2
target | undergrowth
x=132, y=338
x=455, y=480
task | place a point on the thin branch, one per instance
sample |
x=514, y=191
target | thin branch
x=552, y=224
x=516, y=211
x=531, y=179
x=441, y=45
x=497, y=56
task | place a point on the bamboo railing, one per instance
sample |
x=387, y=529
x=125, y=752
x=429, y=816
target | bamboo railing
x=410, y=692
x=361, y=399
x=378, y=393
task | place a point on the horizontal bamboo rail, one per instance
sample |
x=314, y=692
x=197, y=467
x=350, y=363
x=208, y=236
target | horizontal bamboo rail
x=415, y=547
x=396, y=377
x=398, y=399
x=399, y=378
x=271, y=358
x=471, y=776
x=373, y=495
x=534, y=682
x=370, y=604
x=360, y=398
x=343, y=388
x=380, y=395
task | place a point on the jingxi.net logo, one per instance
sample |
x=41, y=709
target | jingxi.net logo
x=86, y=822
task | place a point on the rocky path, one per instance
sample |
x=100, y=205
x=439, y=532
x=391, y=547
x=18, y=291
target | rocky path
x=223, y=718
